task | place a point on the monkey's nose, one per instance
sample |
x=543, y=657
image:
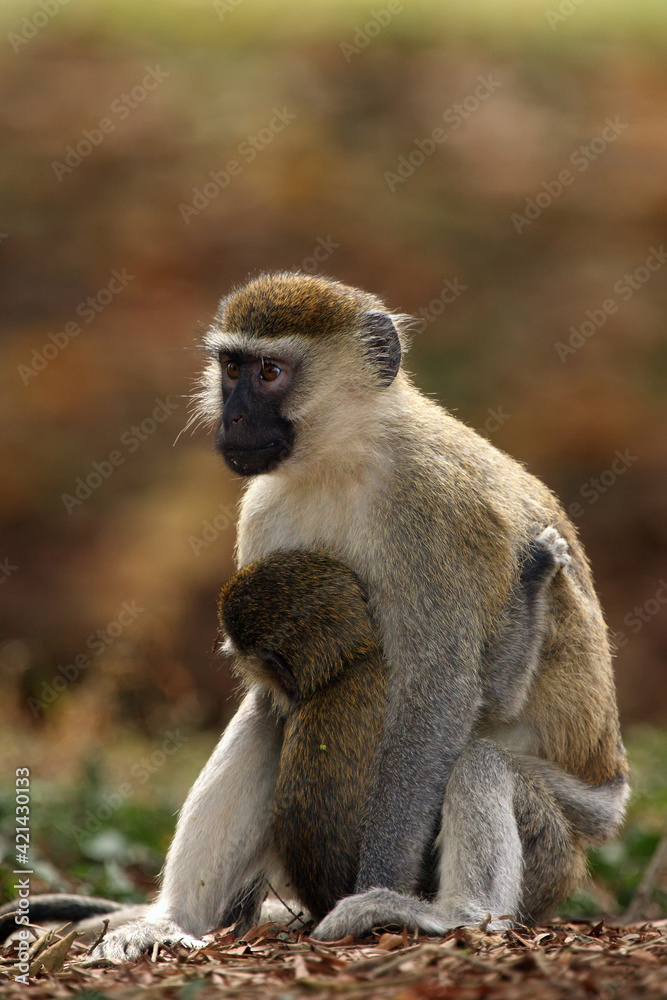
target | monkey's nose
x=237, y=420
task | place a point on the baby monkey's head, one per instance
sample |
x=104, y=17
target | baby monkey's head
x=294, y=620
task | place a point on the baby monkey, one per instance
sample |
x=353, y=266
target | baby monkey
x=299, y=626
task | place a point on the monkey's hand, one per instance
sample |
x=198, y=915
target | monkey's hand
x=129, y=942
x=358, y=915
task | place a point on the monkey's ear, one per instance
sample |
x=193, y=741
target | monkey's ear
x=383, y=346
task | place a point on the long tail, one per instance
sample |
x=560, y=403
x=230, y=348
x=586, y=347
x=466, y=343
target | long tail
x=595, y=811
x=55, y=906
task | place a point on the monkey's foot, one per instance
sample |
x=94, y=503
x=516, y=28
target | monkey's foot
x=282, y=914
x=358, y=915
x=555, y=544
x=131, y=941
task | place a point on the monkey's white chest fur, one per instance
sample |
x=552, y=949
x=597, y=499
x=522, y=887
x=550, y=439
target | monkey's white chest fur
x=277, y=513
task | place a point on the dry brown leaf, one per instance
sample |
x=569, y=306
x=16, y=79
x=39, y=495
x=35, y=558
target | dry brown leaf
x=260, y=931
x=53, y=958
x=470, y=937
x=389, y=942
x=38, y=946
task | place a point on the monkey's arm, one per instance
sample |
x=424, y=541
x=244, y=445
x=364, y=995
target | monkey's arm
x=425, y=733
x=222, y=845
x=431, y=637
x=511, y=660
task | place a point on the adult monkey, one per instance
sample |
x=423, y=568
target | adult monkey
x=307, y=390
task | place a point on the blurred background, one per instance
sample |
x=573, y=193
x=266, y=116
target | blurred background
x=496, y=169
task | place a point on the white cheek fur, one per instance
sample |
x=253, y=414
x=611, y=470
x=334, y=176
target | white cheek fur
x=227, y=646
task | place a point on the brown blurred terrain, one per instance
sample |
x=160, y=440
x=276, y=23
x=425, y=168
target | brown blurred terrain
x=535, y=217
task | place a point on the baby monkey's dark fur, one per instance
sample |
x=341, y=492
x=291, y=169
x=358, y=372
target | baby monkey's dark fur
x=299, y=625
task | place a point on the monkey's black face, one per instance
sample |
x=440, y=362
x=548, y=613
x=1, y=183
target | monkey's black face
x=252, y=436
x=280, y=670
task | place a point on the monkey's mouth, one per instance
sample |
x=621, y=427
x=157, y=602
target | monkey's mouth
x=253, y=461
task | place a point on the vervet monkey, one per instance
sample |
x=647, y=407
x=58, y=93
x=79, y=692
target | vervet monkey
x=310, y=399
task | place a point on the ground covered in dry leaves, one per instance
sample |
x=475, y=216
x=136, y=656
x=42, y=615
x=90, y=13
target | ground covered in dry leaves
x=560, y=960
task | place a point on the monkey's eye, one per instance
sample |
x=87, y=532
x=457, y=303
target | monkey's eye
x=232, y=369
x=269, y=372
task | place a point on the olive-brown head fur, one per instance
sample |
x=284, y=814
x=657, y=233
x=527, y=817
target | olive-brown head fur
x=295, y=620
x=287, y=303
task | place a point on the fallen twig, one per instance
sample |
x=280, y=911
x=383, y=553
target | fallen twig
x=105, y=928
